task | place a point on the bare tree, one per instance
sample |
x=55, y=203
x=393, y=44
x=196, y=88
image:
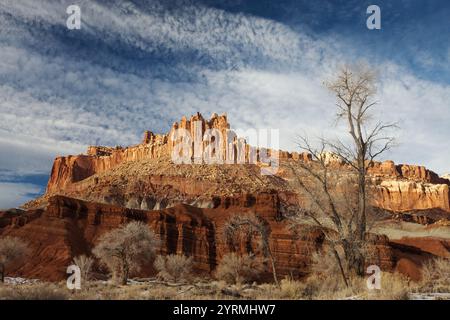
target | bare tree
x=247, y=226
x=354, y=90
x=11, y=250
x=338, y=199
x=126, y=249
x=174, y=267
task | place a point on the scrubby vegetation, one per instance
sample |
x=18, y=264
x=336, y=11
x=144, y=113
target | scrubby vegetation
x=85, y=264
x=174, y=267
x=124, y=250
x=11, y=250
x=315, y=286
x=238, y=269
x=436, y=276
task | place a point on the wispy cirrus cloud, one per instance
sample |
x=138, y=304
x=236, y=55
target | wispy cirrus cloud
x=138, y=66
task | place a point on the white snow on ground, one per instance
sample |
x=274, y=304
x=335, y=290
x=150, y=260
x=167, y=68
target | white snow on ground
x=18, y=280
x=429, y=296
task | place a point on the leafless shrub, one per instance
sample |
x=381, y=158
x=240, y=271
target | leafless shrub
x=125, y=249
x=11, y=250
x=436, y=276
x=235, y=269
x=247, y=228
x=325, y=280
x=174, y=267
x=394, y=286
x=85, y=264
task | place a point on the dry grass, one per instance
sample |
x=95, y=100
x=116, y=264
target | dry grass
x=314, y=287
x=394, y=286
x=436, y=276
x=174, y=267
x=38, y=291
x=238, y=269
x=331, y=287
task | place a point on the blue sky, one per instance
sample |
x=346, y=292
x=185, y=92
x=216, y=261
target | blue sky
x=141, y=65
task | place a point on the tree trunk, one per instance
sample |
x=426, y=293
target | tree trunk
x=362, y=204
x=124, y=274
x=274, y=270
x=341, y=268
x=2, y=273
x=354, y=257
x=358, y=259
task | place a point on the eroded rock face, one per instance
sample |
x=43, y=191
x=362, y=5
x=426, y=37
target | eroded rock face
x=400, y=187
x=401, y=195
x=446, y=177
x=70, y=227
x=71, y=169
x=388, y=169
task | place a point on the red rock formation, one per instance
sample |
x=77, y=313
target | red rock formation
x=435, y=246
x=70, y=169
x=388, y=169
x=69, y=227
x=401, y=195
x=400, y=187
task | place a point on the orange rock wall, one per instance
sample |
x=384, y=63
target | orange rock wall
x=401, y=187
x=70, y=227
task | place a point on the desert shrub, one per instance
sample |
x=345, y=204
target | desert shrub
x=85, y=264
x=394, y=286
x=37, y=291
x=326, y=282
x=126, y=249
x=236, y=269
x=291, y=289
x=321, y=286
x=11, y=250
x=436, y=276
x=174, y=267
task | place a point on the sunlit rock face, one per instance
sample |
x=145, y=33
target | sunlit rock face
x=144, y=176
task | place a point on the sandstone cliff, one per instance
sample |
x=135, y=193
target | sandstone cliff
x=69, y=227
x=144, y=177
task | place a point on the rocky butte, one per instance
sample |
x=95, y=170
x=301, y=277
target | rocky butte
x=401, y=187
x=186, y=204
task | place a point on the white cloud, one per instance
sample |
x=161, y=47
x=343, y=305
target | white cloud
x=14, y=194
x=262, y=73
